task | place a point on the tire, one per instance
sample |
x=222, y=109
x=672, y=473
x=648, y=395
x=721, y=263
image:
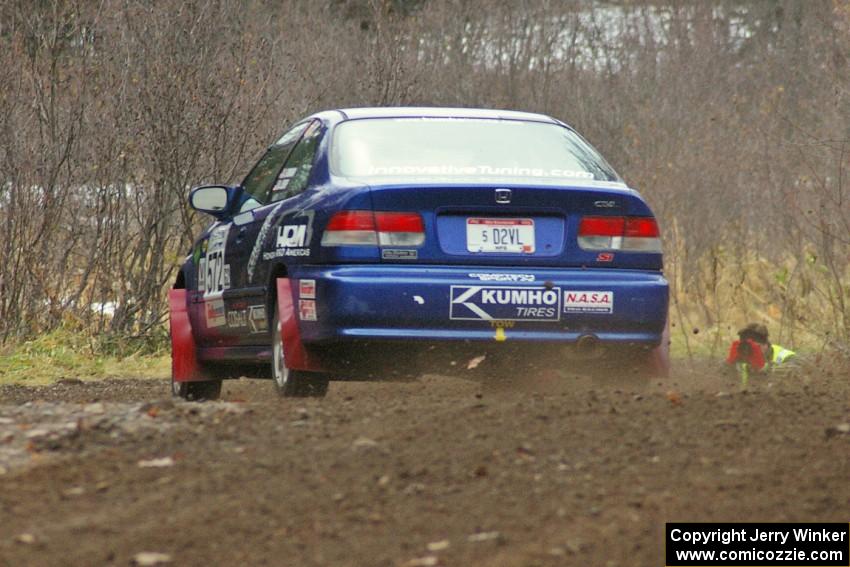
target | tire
x=196, y=391
x=293, y=383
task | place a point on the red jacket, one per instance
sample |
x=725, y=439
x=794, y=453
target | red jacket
x=755, y=358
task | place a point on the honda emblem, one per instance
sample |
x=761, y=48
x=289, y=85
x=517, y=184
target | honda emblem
x=503, y=196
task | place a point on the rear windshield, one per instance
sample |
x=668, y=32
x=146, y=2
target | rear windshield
x=462, y=148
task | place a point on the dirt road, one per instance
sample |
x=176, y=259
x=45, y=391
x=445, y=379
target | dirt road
x=546, y=470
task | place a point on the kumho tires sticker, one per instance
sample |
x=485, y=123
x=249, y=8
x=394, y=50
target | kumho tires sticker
x=504, y=303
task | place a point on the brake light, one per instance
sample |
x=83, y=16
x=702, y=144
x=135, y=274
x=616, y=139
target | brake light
x=379, y=228
x=629, y=234
x=641, y=227
x=400, y=229
x=351, y=228
x=602, y=226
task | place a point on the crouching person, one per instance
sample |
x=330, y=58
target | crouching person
x=754, y=353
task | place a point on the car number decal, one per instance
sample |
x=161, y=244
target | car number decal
x=216, y=276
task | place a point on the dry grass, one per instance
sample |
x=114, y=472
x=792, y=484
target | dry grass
x=801, y=300
x=63, y=354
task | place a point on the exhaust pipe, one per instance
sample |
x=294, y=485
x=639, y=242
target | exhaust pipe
x=588, y=347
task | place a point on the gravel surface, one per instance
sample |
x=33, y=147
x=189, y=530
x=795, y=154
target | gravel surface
x=543, y=469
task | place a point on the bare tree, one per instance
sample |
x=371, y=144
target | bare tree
x=732, y=117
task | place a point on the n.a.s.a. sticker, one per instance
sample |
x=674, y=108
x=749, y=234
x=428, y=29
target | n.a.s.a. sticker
x=588, y=301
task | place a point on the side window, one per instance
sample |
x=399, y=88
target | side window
x=294, y=175
x=259, y=181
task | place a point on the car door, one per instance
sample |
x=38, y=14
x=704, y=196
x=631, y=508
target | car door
x=265, y=187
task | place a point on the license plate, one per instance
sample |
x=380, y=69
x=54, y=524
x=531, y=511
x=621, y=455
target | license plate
x=512, y=236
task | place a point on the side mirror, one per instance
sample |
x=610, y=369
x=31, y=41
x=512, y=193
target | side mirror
x=210, y=199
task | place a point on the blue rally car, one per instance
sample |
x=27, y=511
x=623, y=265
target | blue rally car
x=364, y=231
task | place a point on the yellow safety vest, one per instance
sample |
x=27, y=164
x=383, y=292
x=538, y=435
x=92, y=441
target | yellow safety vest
x=778, y=355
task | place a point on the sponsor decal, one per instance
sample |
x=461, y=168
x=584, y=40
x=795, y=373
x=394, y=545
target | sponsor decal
x=307, y=309
x=398, y=254
x=215, y=316
x=237, y=319
x=474, y=303
x=452, y=170
x=283, y=180
x=605, y=257
x=257, y=319
x=243, y=218
x=307, y=289
x=218, y=238
x=588, y=301
x=292, y=239
x=514, y=278
x=281, y=252
x=291, y=236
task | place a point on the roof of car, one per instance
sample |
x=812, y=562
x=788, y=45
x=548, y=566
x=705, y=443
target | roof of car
x=440, y=112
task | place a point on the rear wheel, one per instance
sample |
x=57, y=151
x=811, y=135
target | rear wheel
x=291, y=383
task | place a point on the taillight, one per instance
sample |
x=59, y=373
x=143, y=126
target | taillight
x=379, y=228
x=630, y=234
x=400, y=229
x=351, y=228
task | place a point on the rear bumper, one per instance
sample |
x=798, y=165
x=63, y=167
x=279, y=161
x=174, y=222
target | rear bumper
x=442, y=303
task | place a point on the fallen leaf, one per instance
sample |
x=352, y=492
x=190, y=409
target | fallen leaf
x=674, y=397
x=483, y=536
x=364, y=443
x=28, y=539
x=149, y=558
x=157, y=463
x=429, y=561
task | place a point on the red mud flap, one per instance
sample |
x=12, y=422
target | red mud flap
x=184, y=362
x=297, y=357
